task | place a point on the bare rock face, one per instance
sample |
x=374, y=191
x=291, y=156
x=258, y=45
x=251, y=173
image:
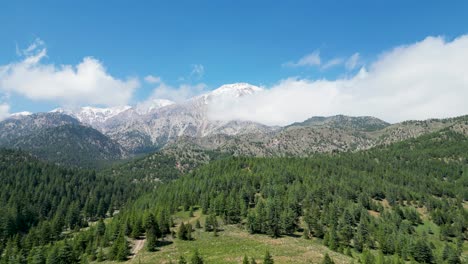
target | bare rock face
x=163, y=124
x=59, y=138
x=152, y=125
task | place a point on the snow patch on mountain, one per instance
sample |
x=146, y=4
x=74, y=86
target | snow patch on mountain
x=150, y=105
x=93, y=115
x=20, y=114
x=231, y=91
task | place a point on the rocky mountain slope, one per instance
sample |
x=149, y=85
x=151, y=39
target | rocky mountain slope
x=104, y=134
x=150, y=126
x=326, y=135
x=59, y=138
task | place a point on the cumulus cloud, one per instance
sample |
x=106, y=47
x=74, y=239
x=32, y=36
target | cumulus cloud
x=152, y=79
x=418, y=81
x=312, y=59
x=86, y=83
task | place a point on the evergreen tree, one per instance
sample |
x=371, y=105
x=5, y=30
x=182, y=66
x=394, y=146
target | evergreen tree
x=37, y=256
x=422, y=252
x=151, y=239
x=196, y=258
x=197, y=224
x=100, y=255
x=182, y=260
x=245, y=260
x=100, y=228
x=53, y=257
x=120, y=250
x=327, y=259
x=182, y=232
x=268, y=259
x=367, y=257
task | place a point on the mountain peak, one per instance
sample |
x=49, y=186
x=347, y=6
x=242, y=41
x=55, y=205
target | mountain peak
x=236, y=90
x=91, y=115
x=150, y=105
x=20, y=114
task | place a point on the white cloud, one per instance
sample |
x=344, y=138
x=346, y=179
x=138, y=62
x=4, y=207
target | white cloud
x=332, y=63
x=4, y=111
x=312, y=59
x=152, y=79
x=352, y=61
x=177, y=94
x=197, y=71
x=86, y=83
x=418, y=81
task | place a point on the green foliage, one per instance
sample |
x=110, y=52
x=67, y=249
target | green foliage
x=268, y=259
x=196, y=258
x=182, y=260
x=335, y=195
x=327, y=259
x=422, y=252
x=365, y=200
x=71, y=145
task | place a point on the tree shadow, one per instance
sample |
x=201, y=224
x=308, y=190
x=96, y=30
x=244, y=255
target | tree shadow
x=163, y=243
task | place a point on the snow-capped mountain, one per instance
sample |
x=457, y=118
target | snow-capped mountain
x=93, y=115
x=228, y=91
x=164, y=121
x=150, y=105
x=156, y=122
x=20, y=114
x=236, y=90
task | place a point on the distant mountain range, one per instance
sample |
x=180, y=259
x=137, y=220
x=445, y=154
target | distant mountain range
x=90, y=136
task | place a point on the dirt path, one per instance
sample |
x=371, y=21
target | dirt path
x=137, y=246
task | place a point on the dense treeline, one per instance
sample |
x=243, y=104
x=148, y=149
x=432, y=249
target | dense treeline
x=42, y=203
x=371, y=202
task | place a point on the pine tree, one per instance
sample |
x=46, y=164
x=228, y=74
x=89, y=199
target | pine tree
x=65, y=254
x=191, y=211
x=253, y=261
x=182, y=260
x=37, y=256
x=151, y=240
x=367, y=257
x=268, y=259
x=333, y=242
x=196, y=258
x=245, y=260
x=327, y=259
x=53, y=257
x=380, y=258
x=100, y=255
x=197, y=224
x=120, y=250
x=273, y=220
x=182, y=232
x=422, y=252
x=189, y=229
x=100, y=228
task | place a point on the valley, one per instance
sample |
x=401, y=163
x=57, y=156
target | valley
x=392, y=202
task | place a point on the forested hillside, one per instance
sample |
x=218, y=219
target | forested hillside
x=401, y=202
x=42, y=203
x=405, y=199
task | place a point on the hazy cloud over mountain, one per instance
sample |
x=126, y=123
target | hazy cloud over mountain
x=417, y=81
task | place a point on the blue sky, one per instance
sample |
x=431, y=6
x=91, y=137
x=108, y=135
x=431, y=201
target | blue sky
x=234, y=41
